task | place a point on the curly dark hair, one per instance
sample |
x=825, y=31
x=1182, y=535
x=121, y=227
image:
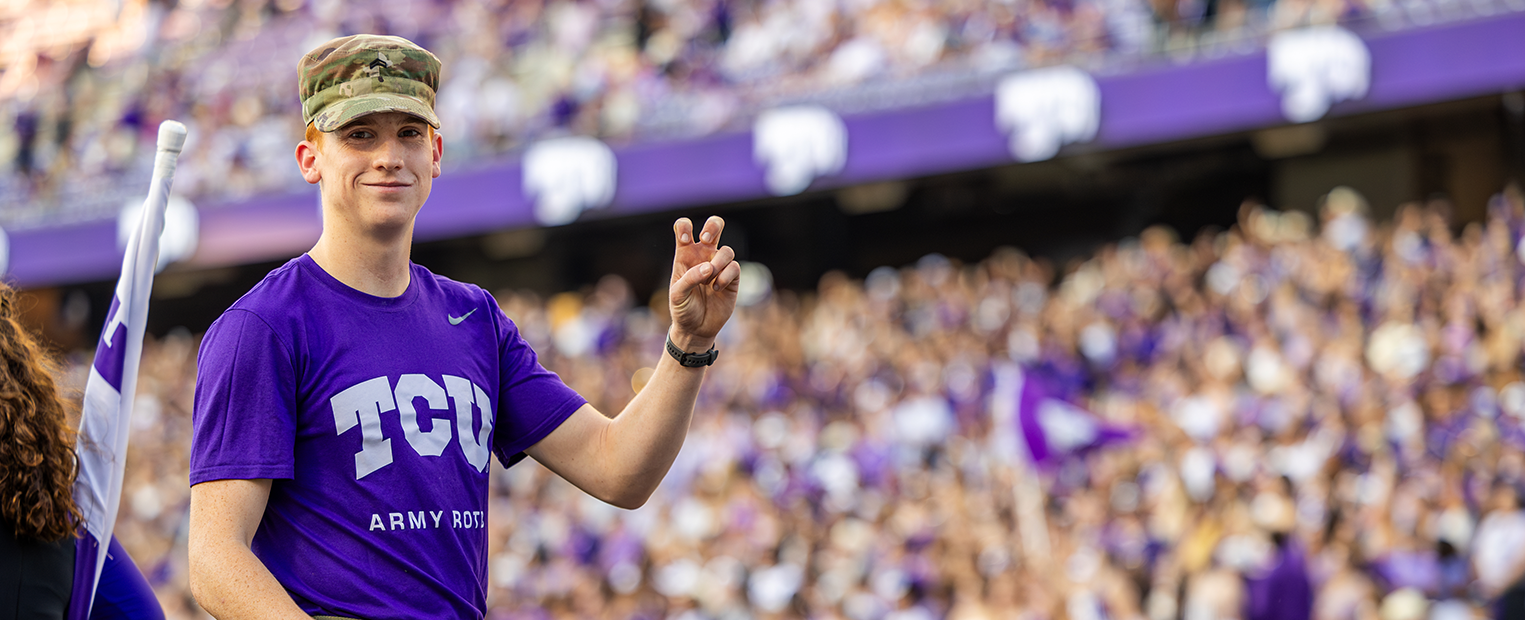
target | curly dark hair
x=37, y=460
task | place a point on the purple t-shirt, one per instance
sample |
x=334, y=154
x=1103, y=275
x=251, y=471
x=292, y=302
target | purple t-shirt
x=375, y=417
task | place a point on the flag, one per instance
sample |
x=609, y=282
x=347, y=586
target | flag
x=112, y=386
x=1032, y=416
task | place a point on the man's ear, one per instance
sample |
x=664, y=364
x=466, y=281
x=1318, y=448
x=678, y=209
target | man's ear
x=307, y=161
x=439, y=152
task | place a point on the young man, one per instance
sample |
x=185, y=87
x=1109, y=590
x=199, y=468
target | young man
x=347, y=406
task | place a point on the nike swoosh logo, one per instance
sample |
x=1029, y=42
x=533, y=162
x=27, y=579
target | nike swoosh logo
x=456, y=320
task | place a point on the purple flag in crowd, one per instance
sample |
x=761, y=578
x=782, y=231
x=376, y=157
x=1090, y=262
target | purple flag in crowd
x=1046, y=424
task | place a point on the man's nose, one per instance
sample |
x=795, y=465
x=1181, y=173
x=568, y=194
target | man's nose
x=389, y=155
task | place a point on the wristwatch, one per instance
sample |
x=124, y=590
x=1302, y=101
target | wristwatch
x=691, y=360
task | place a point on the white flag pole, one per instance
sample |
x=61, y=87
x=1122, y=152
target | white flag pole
x=112, y=386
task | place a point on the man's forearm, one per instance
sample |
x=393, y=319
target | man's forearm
x=230, y=583
x=227, y=580
x=656, y=421
x=622, y=459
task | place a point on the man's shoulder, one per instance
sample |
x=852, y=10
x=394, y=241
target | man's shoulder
x=274, y=302
x=433, y=283
x=280, y=292
x=462, y=299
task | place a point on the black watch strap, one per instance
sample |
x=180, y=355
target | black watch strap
x=691, y=360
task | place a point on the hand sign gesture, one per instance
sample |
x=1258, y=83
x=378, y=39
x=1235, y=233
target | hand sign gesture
x=705, y=278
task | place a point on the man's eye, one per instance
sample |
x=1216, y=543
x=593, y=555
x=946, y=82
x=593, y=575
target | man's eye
x=410, y=132
x=360, y=135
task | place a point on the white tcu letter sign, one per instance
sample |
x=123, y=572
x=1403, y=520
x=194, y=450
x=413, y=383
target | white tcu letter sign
x=178, y=239
x=566, y=176
x=797, y=145
x=1315, y=67
x=1045, y=109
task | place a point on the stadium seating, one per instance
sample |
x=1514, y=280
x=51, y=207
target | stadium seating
x=1340, y=397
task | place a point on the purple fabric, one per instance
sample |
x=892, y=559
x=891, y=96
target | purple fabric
x=109, y=362
x=122, y=594
x=1410, y=569
x=873, y=460
x=1512, y=430
x=86, y=551
x=621, y=546
x=1282, y=593
x=375, y=416
x=582, y=544
x=1443, y=433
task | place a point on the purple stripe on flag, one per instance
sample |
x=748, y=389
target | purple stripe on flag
x=1070, y=430
x=109, y=359
x=86, y=550
x=1027, y=418
x=1109, y=434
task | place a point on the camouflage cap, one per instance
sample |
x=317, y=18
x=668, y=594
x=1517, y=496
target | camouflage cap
x=353, y=76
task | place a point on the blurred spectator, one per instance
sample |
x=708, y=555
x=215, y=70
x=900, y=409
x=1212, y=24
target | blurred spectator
x=1499, y=554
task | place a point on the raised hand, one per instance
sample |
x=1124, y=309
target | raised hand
x=705, y=278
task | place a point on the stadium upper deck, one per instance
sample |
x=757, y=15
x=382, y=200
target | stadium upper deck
x=82, y=83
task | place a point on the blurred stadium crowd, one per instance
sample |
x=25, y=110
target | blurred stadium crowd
x=1331, y=408
x=84, y=83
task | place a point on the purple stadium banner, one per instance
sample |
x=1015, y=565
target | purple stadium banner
x=1150, y=105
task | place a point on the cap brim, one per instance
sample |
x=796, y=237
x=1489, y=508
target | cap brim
x=341, y=113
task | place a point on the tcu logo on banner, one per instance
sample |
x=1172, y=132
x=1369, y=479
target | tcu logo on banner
x=797, y=145
x=1315, y=67
x=178, y=240
x=1045, y=109
x=566, y=176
